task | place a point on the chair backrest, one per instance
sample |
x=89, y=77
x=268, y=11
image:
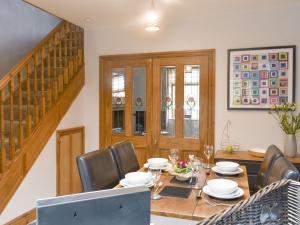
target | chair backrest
x=98, y=170
x=271, y=155
x=282, y=169
x=125, y=157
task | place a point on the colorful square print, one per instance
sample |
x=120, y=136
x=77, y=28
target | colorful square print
x=254, y=66
x=237, y=83
x=236, y=67
x=245, y=83
x=283, y=65
x=254, y=83
x=254, y=100
x=264, y=83
x=264, y=92
x=246, y=100
x=274, y=74
x=245, y=75
x=236, y=75
x=237, y=92
x=254, y=58
x=273, y=91
x=246, y=58
x=264, y=65
x=283, y=100
x=237, y=100
x=274, y=65
x=254, y=91
x=274, y=100
x=283, y=74
x=264, y=57
x=283, y=56
x=283, y=91
x=237, y=59
x=245, y=67
x=264, y=74
x=264, y=100
x=283, y=83
x=273, y=83
x=254, y=75
x=245, y=92
x=273, y=56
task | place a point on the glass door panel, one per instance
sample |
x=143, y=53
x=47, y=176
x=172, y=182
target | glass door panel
x=118, y=100
x=168, y=100
x=191, y=101
x=139, y=100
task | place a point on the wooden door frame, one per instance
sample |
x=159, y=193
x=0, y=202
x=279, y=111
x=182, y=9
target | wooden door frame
x=60, y=133
x=211, y=70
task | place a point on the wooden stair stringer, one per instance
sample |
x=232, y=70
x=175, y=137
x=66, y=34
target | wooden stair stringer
x=33, y=145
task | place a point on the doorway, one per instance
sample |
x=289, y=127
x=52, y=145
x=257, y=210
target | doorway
x=158, y=101
x=69, y=145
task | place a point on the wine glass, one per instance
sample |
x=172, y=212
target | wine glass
x=156, y=174
x=196, y=171
x=174, y=156
x=208, y=151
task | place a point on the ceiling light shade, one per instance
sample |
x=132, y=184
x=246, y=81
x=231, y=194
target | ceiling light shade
x=152, y=16
x=152, y=28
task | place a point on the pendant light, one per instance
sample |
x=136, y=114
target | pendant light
x=152, y=19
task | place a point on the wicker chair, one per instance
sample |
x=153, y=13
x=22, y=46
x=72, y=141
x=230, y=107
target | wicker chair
x=284, y=193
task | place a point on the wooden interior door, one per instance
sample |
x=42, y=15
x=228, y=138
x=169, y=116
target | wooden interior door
x=126, y=103
x=70, y=144
x=181, y=105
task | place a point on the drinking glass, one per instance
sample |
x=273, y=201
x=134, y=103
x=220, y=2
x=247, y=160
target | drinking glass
x=156, y=174
x=196, y=171
x=174, y=156
x=208, y=151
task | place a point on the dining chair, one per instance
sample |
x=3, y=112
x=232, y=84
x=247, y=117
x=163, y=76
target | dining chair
x=125, y=157
x=282, y=169
x=272, y=153
x=98, y=170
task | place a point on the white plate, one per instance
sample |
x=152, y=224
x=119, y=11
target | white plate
x=216, y=170
x=124, y=183
x=166, y=167
x=237, y=194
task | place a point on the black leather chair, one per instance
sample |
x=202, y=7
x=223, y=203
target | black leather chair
x=125, y=157
x=271, y=155
x=282, y=169
x=98, y=170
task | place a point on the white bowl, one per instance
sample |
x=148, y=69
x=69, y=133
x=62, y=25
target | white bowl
x=157, y=162
x=227, y=166
x=222, y=186
x=138, y=178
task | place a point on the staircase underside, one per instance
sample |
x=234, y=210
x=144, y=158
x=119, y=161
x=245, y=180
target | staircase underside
x=33, y=145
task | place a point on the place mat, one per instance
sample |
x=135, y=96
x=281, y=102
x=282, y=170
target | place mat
x=175, y=181
x=179, y=192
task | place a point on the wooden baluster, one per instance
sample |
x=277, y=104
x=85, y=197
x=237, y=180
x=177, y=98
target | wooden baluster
x=66, y=63
x=71, y=53
x=55, y=83
x=76, y=49
x=43, y=98
x=60, y=75
x=28, y=96
x=35, y=91
x=49, y=86
x=2, y=150
x=11, y=133
x=20, y=136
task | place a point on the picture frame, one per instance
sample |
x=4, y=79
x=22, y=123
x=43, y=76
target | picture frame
x=260, y=77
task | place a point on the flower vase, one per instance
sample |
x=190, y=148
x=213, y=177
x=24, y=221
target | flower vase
x=290, y=145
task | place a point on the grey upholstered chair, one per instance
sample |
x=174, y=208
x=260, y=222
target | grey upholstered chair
x=125, y=157
x=98, y=170
x=271, y=155
x=282, y=169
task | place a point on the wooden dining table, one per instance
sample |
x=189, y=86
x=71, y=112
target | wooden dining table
x=194, y=208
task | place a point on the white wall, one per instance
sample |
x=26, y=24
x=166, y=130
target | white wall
x=218, y=27
x=22, y=27
x=40, y=181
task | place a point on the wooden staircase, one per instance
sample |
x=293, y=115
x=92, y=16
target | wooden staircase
x=34, y=97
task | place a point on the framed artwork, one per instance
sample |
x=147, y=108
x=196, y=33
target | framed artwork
x=261, y=77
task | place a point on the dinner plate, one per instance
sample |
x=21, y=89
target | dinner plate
x=124, y=183
x=166, y=167
x=216, y=170
x=237, y=194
